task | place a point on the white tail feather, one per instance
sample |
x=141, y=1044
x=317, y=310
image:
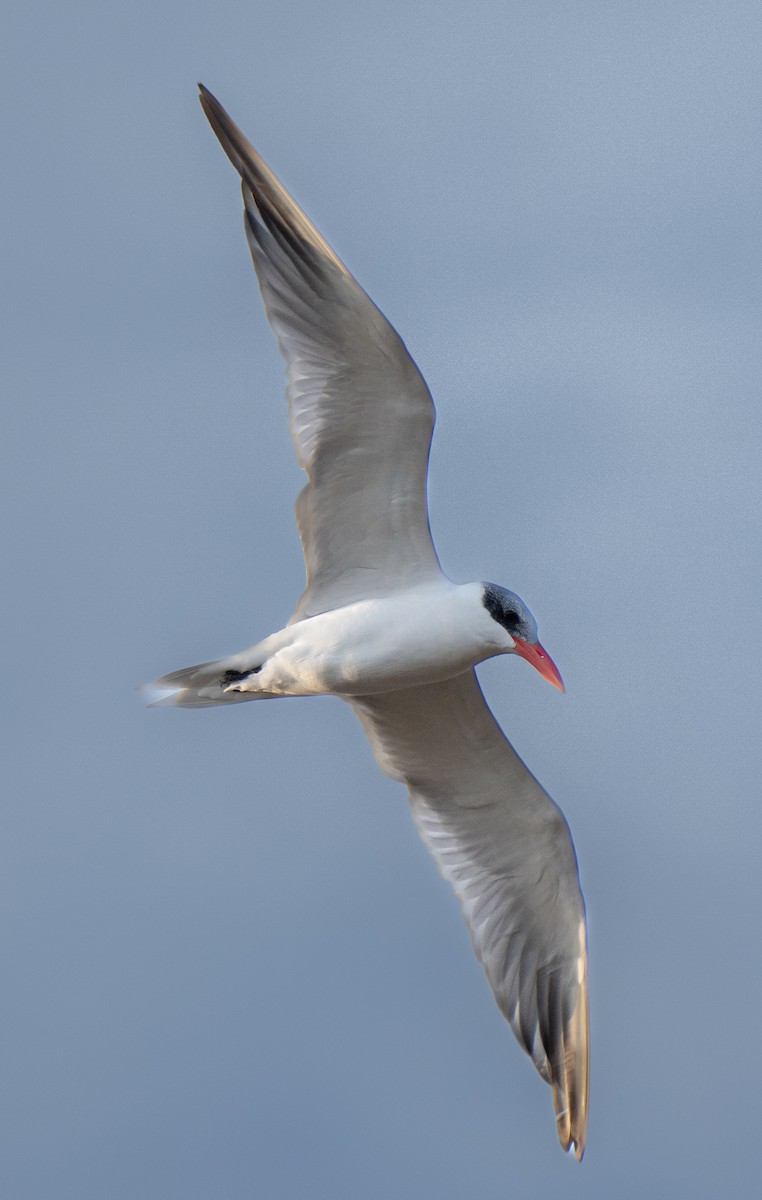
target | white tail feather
x=205, y=684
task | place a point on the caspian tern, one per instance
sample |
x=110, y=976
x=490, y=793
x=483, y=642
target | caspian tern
x=381, y=626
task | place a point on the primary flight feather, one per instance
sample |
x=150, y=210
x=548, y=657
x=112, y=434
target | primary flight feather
x=380, y=625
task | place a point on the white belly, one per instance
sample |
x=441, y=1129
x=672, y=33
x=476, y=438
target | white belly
x=381, y=645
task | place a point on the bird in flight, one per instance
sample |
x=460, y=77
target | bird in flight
x=381, y=626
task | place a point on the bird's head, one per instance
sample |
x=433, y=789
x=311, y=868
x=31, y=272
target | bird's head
x=512, y=613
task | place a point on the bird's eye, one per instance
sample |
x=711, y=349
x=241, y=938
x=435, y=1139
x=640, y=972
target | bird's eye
x=512, y=617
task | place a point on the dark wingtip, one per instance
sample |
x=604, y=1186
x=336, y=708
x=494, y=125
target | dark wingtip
x=208, y=101
x=211, y=107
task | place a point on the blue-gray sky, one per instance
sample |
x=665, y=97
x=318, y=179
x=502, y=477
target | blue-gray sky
x=230, y=969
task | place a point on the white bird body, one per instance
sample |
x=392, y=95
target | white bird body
x=422, y=635
x=380, y=625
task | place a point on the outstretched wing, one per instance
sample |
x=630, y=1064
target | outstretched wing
x=506, y=849
x=360, y=413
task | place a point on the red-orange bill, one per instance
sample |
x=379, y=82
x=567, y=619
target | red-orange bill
x=539, y=658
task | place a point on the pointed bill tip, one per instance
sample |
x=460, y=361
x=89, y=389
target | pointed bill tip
x=538, y=657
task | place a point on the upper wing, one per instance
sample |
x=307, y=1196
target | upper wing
x=506, y=849
x=361, y=416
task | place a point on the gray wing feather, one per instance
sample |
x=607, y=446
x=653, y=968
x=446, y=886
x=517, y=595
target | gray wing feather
x=506, y=850
x=360, y=413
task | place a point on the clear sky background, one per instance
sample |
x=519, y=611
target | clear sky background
x=230, y=970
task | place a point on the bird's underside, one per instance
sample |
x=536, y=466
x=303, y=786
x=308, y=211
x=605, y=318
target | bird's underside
x=361, y=420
